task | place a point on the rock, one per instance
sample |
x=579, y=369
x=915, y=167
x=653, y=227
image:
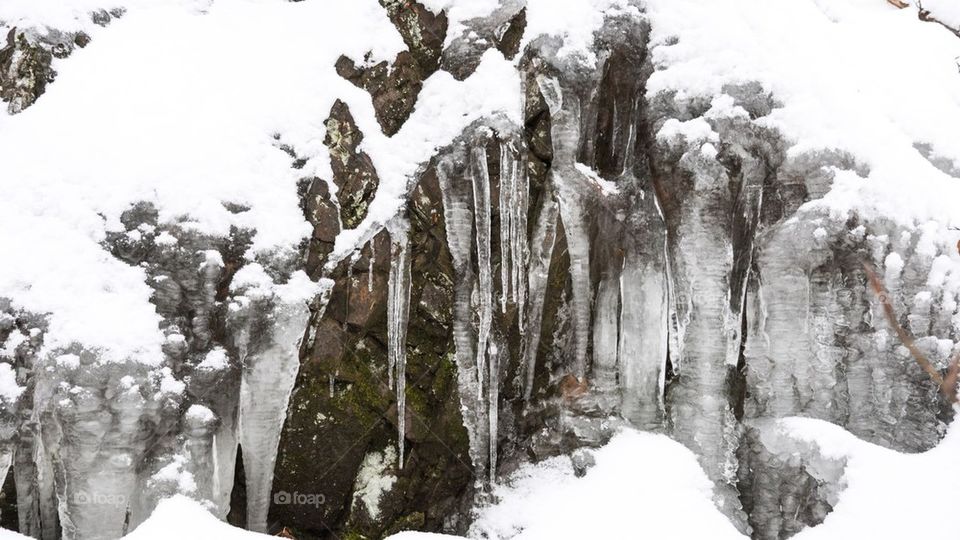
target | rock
x=353, y=172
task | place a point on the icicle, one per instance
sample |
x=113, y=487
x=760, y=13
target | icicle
x=6, y=460
x=520, y=245
x=271, y=368
x=569, y=181
x=605, y=332
x=643, y=339
x=458, y=216
x=373, y=256
x=480, y=177
x=541, y=252
x=493, y=403
x=507, y=187
x=398, y=313
x=331, y=381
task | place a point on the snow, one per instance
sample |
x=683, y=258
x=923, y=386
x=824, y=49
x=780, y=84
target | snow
x=945, y=11
x=200, y=414
x=215, y=360
x=183, y=103
x=178, y=108
x=444, y=108
x=854, y=87
x=459, y=12
x=888, y=495
x=416, y=535
x=185, y=519
x=663, y=495
x=173, y=473
x=9, y=389
x=574, y=21
x=10, y=535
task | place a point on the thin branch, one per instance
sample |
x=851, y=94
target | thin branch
x=948, y=385
x=926, y=16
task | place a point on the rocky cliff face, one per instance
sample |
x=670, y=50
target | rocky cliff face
x=618, y=257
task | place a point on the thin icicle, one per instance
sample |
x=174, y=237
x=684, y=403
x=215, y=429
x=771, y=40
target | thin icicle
x=480, y=177
x=520, y=245
x=507, y=187
x=493, y=403
x=373, y=255
x=398, y=312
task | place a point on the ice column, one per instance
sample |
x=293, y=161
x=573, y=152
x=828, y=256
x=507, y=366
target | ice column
x=570, y=184
x=398, y=314
x=457, y=194
x=271, y=364
x=480, y=177
x=643, y=339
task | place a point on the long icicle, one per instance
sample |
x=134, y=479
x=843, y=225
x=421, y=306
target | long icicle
x=398, y=313
x=493, y=401
x=458, y=216
x=507, y=186
x=520, y=243
x=481, y=204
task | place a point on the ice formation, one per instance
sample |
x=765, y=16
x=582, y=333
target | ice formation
x=638, y=227
x=398, y=313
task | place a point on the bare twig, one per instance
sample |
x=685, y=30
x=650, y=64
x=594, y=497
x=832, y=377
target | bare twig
x=898, y=3
x=926, y=16
x=948, y=385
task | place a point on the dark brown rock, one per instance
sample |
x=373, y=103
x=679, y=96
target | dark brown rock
x=353, y=172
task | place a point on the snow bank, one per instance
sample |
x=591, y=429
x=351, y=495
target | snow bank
x=888, y=495
x=177, y=517
x=641, y=485
x=10, y=535
x=185, y=519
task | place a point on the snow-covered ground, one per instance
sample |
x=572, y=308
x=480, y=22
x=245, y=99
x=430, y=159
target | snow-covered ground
x=646, y=484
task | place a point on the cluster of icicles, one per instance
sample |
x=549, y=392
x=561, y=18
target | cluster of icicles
x=468, y=208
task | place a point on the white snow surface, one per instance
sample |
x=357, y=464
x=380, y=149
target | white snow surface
x=945, y=11
x=179, y=108
x=185, y=519
x=178, y=105
x=575, y=21
x=646, y=485
x=856, y=75
x=9, y=389
x=643, y=484
x=888, y=495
